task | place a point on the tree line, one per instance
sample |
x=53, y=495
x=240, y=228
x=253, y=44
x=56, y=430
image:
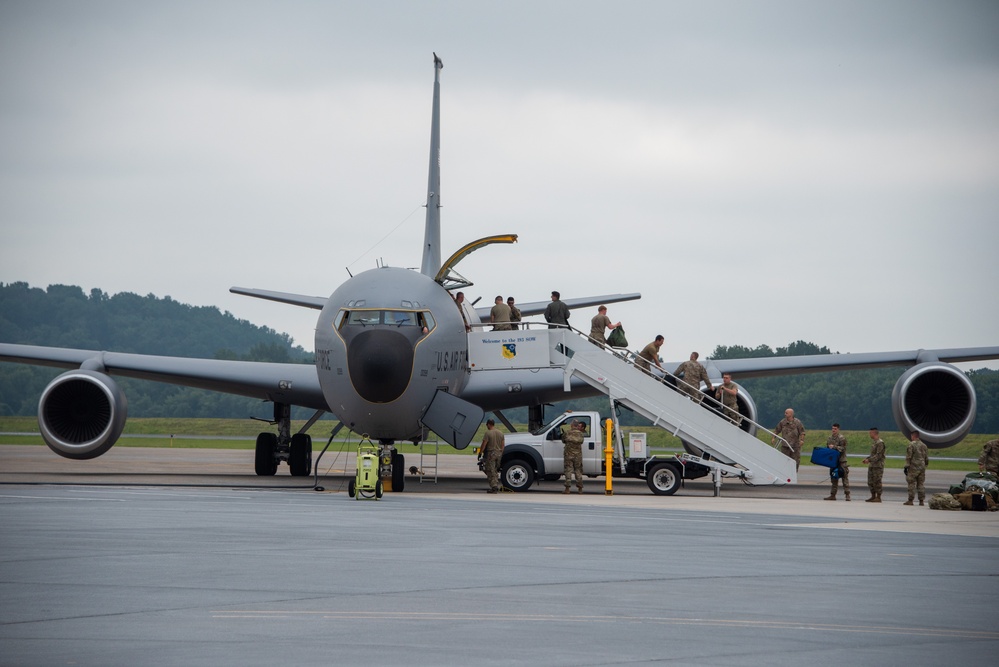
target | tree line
x=66, y=316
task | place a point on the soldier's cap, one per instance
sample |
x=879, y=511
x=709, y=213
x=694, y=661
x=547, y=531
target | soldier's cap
x=576, y=422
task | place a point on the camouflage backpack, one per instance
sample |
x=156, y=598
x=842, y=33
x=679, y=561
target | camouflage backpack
x=944, y=501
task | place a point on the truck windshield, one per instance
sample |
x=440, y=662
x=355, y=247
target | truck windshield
x=563, y=421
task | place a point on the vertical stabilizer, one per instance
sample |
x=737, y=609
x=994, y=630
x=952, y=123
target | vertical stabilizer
x=432, y=231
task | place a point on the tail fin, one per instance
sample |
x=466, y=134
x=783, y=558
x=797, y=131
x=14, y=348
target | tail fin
x=432, y=231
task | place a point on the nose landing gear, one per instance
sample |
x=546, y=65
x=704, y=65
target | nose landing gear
x=393, y=467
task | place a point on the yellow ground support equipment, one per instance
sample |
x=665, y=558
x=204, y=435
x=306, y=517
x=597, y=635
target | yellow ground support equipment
x=366, y=483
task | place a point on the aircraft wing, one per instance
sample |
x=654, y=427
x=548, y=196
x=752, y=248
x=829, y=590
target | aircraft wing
x=316, y=302
x=538, y=307
x=295, y=384
x=820, y=363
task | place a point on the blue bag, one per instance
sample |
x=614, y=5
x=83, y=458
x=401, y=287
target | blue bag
x=826, y=457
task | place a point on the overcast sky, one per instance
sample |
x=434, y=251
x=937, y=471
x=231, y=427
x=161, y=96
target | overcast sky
x=762, y=172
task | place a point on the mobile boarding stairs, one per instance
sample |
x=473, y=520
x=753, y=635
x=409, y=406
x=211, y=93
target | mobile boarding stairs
x=725, y=448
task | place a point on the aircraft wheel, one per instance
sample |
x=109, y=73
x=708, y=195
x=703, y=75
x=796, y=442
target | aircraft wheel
x=517, y=474
x=351, y=488
x=664, y=479
x=398, y=472
x=300, y=455
x=378, y=489
x=264, y=463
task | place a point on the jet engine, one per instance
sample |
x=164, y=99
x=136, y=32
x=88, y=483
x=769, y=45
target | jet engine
x=936, y=399
x=747, y=408
x=81, y=414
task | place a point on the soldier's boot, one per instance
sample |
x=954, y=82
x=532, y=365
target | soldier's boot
x=847, y=498
x=878, y=499
x=831, y=496
x=580, y=487
x=873, y=498
x=921, y=498
x=908, y=502
x=566, y=490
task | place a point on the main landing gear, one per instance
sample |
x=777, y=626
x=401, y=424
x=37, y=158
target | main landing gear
x=296, y=451
x=272, y=449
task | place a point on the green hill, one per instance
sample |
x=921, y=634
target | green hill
x=65, y=316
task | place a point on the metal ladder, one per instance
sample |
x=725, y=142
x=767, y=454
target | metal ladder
x=616, y=376
x=428, y=461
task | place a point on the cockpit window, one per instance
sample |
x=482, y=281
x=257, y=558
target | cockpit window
x=365, y=317
x=399, y=318
x=392, y=318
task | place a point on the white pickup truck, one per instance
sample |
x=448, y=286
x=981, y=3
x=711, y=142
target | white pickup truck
x=538, y=455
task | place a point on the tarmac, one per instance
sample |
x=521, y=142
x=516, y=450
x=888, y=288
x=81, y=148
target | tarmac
x=166, y=556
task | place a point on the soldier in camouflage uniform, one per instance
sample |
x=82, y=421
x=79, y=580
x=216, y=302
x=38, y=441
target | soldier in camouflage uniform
x=693, y=374
x=572, y=455
x=838, y=442
x=876, y=466
x=989, y=460
x=650, y=353
x=792, y=430
x=515, y=314
x=499, y=315
x=491, y=452
x=599, y=324
x=728, y=393
x=916, y=459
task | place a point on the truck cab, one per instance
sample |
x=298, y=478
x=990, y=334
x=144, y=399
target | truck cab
x=529, y=456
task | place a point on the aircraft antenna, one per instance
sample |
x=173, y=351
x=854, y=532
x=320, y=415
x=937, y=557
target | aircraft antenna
x=432, y=231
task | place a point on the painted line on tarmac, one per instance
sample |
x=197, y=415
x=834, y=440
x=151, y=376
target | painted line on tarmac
x=366, y=616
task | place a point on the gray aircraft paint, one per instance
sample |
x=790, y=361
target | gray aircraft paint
x=414, y=367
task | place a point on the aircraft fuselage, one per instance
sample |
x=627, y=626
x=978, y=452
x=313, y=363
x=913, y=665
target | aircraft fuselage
x=387, y=340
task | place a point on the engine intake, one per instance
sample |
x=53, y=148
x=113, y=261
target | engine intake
x=936, y=399
x=81, y=414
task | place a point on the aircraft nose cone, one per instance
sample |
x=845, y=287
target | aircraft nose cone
x=380, y=363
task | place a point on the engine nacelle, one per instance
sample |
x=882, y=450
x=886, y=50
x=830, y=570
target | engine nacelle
x=81, y=414
x=936, y=399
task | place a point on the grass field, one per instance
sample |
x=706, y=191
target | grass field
x=241, y=434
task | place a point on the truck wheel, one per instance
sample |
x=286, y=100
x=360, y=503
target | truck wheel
x=518, y=475
x=351, y=488
x=664, y=479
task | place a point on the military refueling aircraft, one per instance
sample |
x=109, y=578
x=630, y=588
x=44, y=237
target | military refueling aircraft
x=392, y=362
